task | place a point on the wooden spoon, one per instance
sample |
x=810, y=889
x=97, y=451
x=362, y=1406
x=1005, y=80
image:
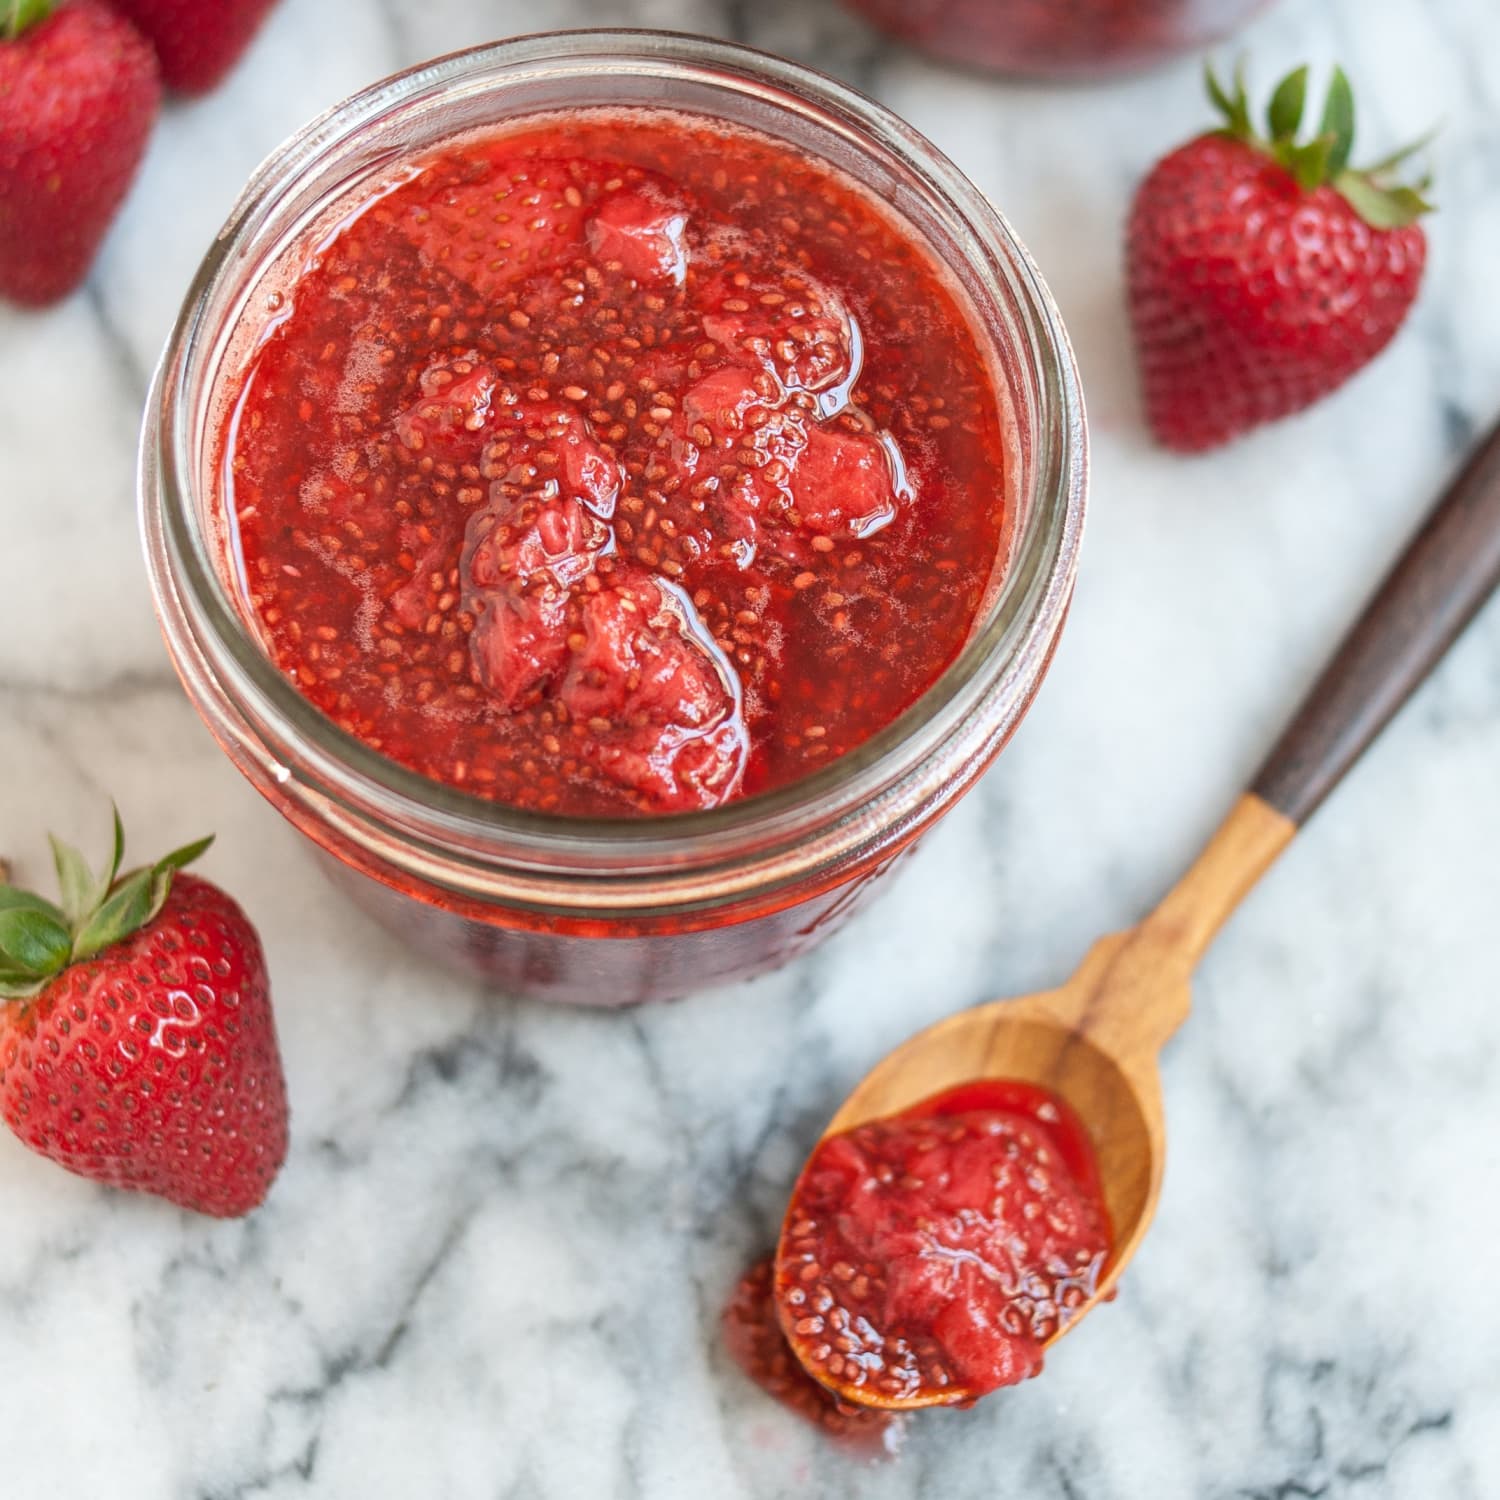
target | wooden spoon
x=1096, y=1039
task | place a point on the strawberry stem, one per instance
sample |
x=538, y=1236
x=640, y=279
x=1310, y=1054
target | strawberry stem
x=17, y=16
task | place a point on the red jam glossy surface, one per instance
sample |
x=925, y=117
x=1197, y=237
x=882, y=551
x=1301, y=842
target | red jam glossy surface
x=927, y=1258
x=626, y=464
x=1058, y=38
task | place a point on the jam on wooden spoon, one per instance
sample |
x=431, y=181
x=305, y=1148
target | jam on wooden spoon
x=928, y=1258
x=903, y=1277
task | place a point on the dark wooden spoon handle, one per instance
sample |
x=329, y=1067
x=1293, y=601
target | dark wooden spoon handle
x=1450, y=568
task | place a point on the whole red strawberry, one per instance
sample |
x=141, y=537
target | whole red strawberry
x=137, y=1046
x=1262, y=272
x=78, y=94
x=197, y=41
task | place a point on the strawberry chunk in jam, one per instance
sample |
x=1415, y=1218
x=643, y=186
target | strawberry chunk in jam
x=801, y=334
x=641, y=234
x=659, y=704
x=493, y=222
x=453, y=407
x=519, y=644
x=616, y=465
x=847, y=484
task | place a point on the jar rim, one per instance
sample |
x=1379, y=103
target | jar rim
x=1007, y=651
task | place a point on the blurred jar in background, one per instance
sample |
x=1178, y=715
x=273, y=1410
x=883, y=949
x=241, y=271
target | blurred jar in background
x=1058, y=38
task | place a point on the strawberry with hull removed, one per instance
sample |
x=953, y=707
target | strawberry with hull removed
x=1263, y=272
x=79, y=92
x=137, y=1043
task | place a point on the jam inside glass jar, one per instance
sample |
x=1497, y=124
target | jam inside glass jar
x=1058, y=38
x=620, y=464
x=684, y=845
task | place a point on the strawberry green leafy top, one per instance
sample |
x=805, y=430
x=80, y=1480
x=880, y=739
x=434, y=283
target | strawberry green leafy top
x=39, y=939
x=1370, y=191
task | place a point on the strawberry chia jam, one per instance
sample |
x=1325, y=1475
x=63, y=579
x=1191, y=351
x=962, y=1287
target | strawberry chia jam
x=926, y=1258
x=623, y=463
x=613, y=492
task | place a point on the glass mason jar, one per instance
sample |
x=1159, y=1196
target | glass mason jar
x=1058, y=38
x=608, y=912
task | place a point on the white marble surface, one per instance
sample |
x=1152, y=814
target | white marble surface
x=494, y=1263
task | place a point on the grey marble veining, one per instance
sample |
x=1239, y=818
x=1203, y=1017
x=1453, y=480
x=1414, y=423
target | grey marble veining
x=495, y=1262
